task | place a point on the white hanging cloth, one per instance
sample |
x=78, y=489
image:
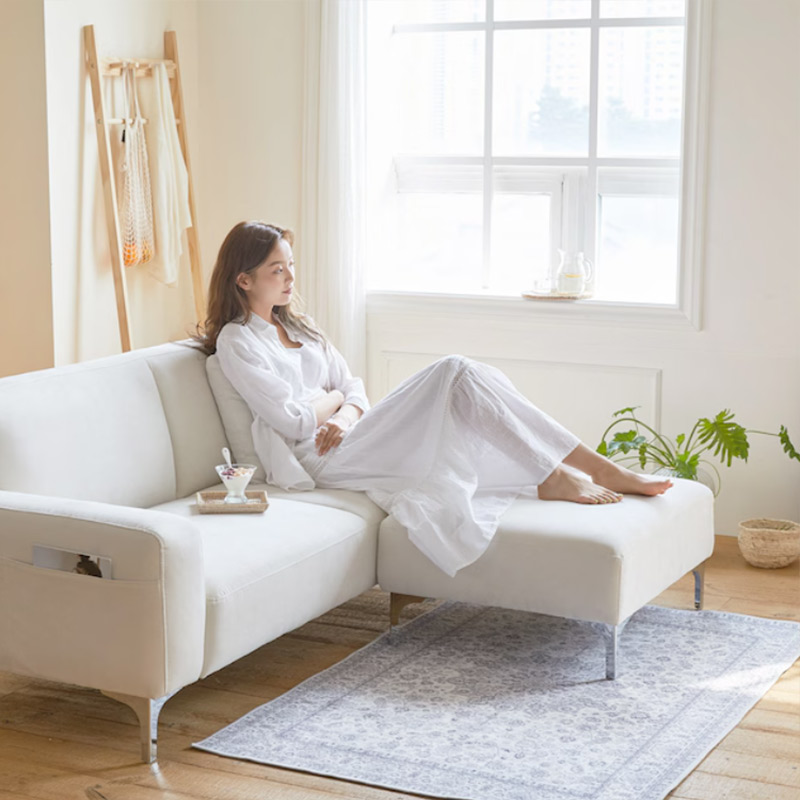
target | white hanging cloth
x=168, y=176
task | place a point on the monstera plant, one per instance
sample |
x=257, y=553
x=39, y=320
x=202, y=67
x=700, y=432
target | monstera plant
x=682, y=457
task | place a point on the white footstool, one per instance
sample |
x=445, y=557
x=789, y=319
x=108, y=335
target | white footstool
x=598, y=563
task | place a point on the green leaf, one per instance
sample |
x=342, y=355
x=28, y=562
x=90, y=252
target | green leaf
x=623, y=411
x=685, y=466
x=680, y=438
x=729, y=439
x=788, y=447
x=625, y=441
x=602, y=448
x=643, y=455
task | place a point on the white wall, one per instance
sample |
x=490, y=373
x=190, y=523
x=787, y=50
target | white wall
x=26, y=328
x=251, y=116
x=84, y=307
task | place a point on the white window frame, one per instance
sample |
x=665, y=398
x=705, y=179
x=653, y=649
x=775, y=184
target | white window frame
x=686, y=312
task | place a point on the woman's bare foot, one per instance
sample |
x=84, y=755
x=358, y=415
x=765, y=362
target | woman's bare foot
x=563, y=485
x=620, y=479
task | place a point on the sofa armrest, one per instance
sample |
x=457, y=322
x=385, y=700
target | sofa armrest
x=140, y=633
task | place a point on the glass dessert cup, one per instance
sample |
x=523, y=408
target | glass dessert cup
x=235, y=478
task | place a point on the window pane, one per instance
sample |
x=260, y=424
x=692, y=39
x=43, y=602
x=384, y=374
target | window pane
x=520, y=241
x=641, y=91
x=410, y=11
x=541, y=92
x=438, y=244
x=642, y=8
x=542, y=9
x=638, y=253
x=438, y=93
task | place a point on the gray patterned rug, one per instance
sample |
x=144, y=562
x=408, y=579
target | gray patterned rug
x=483, y=703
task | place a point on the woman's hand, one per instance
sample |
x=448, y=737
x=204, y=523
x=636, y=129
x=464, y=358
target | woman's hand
x=330, y=434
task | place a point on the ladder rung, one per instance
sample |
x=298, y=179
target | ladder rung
x=119, y=121
x=139, y=62
x=141, y=72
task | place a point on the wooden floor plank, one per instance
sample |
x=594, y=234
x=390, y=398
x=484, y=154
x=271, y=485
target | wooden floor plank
x=704, y=786
x=754, y=768
x=61, y=741
x=776, y=721
x=762, y=743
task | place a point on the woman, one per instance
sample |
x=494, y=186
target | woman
x=446, y=452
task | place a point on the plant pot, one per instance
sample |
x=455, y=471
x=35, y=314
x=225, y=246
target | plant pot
x=769, y=543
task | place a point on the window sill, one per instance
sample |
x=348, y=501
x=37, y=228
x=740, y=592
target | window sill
x=520, y=309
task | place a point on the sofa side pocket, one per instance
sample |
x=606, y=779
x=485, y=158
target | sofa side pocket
x=105, y=634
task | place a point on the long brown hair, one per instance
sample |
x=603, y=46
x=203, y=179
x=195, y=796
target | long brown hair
x=245, y=248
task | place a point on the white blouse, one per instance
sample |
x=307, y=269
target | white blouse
x=279, y=384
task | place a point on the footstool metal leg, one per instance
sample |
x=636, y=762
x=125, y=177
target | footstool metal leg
x=612, y=648
x=611, y=634
x=699, y=584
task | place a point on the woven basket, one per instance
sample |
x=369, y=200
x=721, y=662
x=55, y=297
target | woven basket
x=769, y=543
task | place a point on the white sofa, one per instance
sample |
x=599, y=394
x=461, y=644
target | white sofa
x=105, y=458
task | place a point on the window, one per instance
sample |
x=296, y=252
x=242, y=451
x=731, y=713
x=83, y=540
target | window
x=502, y=131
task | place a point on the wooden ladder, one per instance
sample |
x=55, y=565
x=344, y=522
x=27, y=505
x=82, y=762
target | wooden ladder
x=111, y=68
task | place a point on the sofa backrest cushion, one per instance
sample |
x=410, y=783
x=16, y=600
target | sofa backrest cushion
x=96, y=433
x=192, y=417
x=237, y=418
x=138, y=428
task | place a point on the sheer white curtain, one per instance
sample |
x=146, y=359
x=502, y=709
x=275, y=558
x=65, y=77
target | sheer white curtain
x=331, y=239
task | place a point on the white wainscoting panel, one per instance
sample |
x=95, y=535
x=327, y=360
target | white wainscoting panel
x=582, y=397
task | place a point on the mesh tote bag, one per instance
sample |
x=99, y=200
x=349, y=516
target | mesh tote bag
x=136, y=206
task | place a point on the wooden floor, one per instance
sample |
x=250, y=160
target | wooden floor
x=59, y=742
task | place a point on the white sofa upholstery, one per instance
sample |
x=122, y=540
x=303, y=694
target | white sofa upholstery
x=599, y=564
x=105, y=457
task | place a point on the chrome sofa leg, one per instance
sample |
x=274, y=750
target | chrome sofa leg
x=611, y=634
x=147, y=710
x=699, y=584
x=612, y=651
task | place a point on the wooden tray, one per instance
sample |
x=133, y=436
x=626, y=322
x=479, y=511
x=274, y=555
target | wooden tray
x=532, y=294
x=212, y=502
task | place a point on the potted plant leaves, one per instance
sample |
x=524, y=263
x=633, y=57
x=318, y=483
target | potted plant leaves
x=683, y=456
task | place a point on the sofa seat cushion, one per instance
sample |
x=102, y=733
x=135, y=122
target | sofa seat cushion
x=591, y=562
x=346, y=499
x=269, y=573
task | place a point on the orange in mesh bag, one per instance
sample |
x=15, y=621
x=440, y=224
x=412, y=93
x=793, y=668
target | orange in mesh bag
x=136, y=206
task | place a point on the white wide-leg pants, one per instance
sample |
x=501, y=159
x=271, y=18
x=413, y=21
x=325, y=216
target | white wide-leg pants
x=446, y=452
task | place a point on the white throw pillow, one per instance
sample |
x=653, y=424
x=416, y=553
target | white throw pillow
x=237, y=418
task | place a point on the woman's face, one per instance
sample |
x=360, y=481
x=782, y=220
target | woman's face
x=270, y=284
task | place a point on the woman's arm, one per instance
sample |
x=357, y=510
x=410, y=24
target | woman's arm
x=340, y=377
x=348, y=415
x=327, y=405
